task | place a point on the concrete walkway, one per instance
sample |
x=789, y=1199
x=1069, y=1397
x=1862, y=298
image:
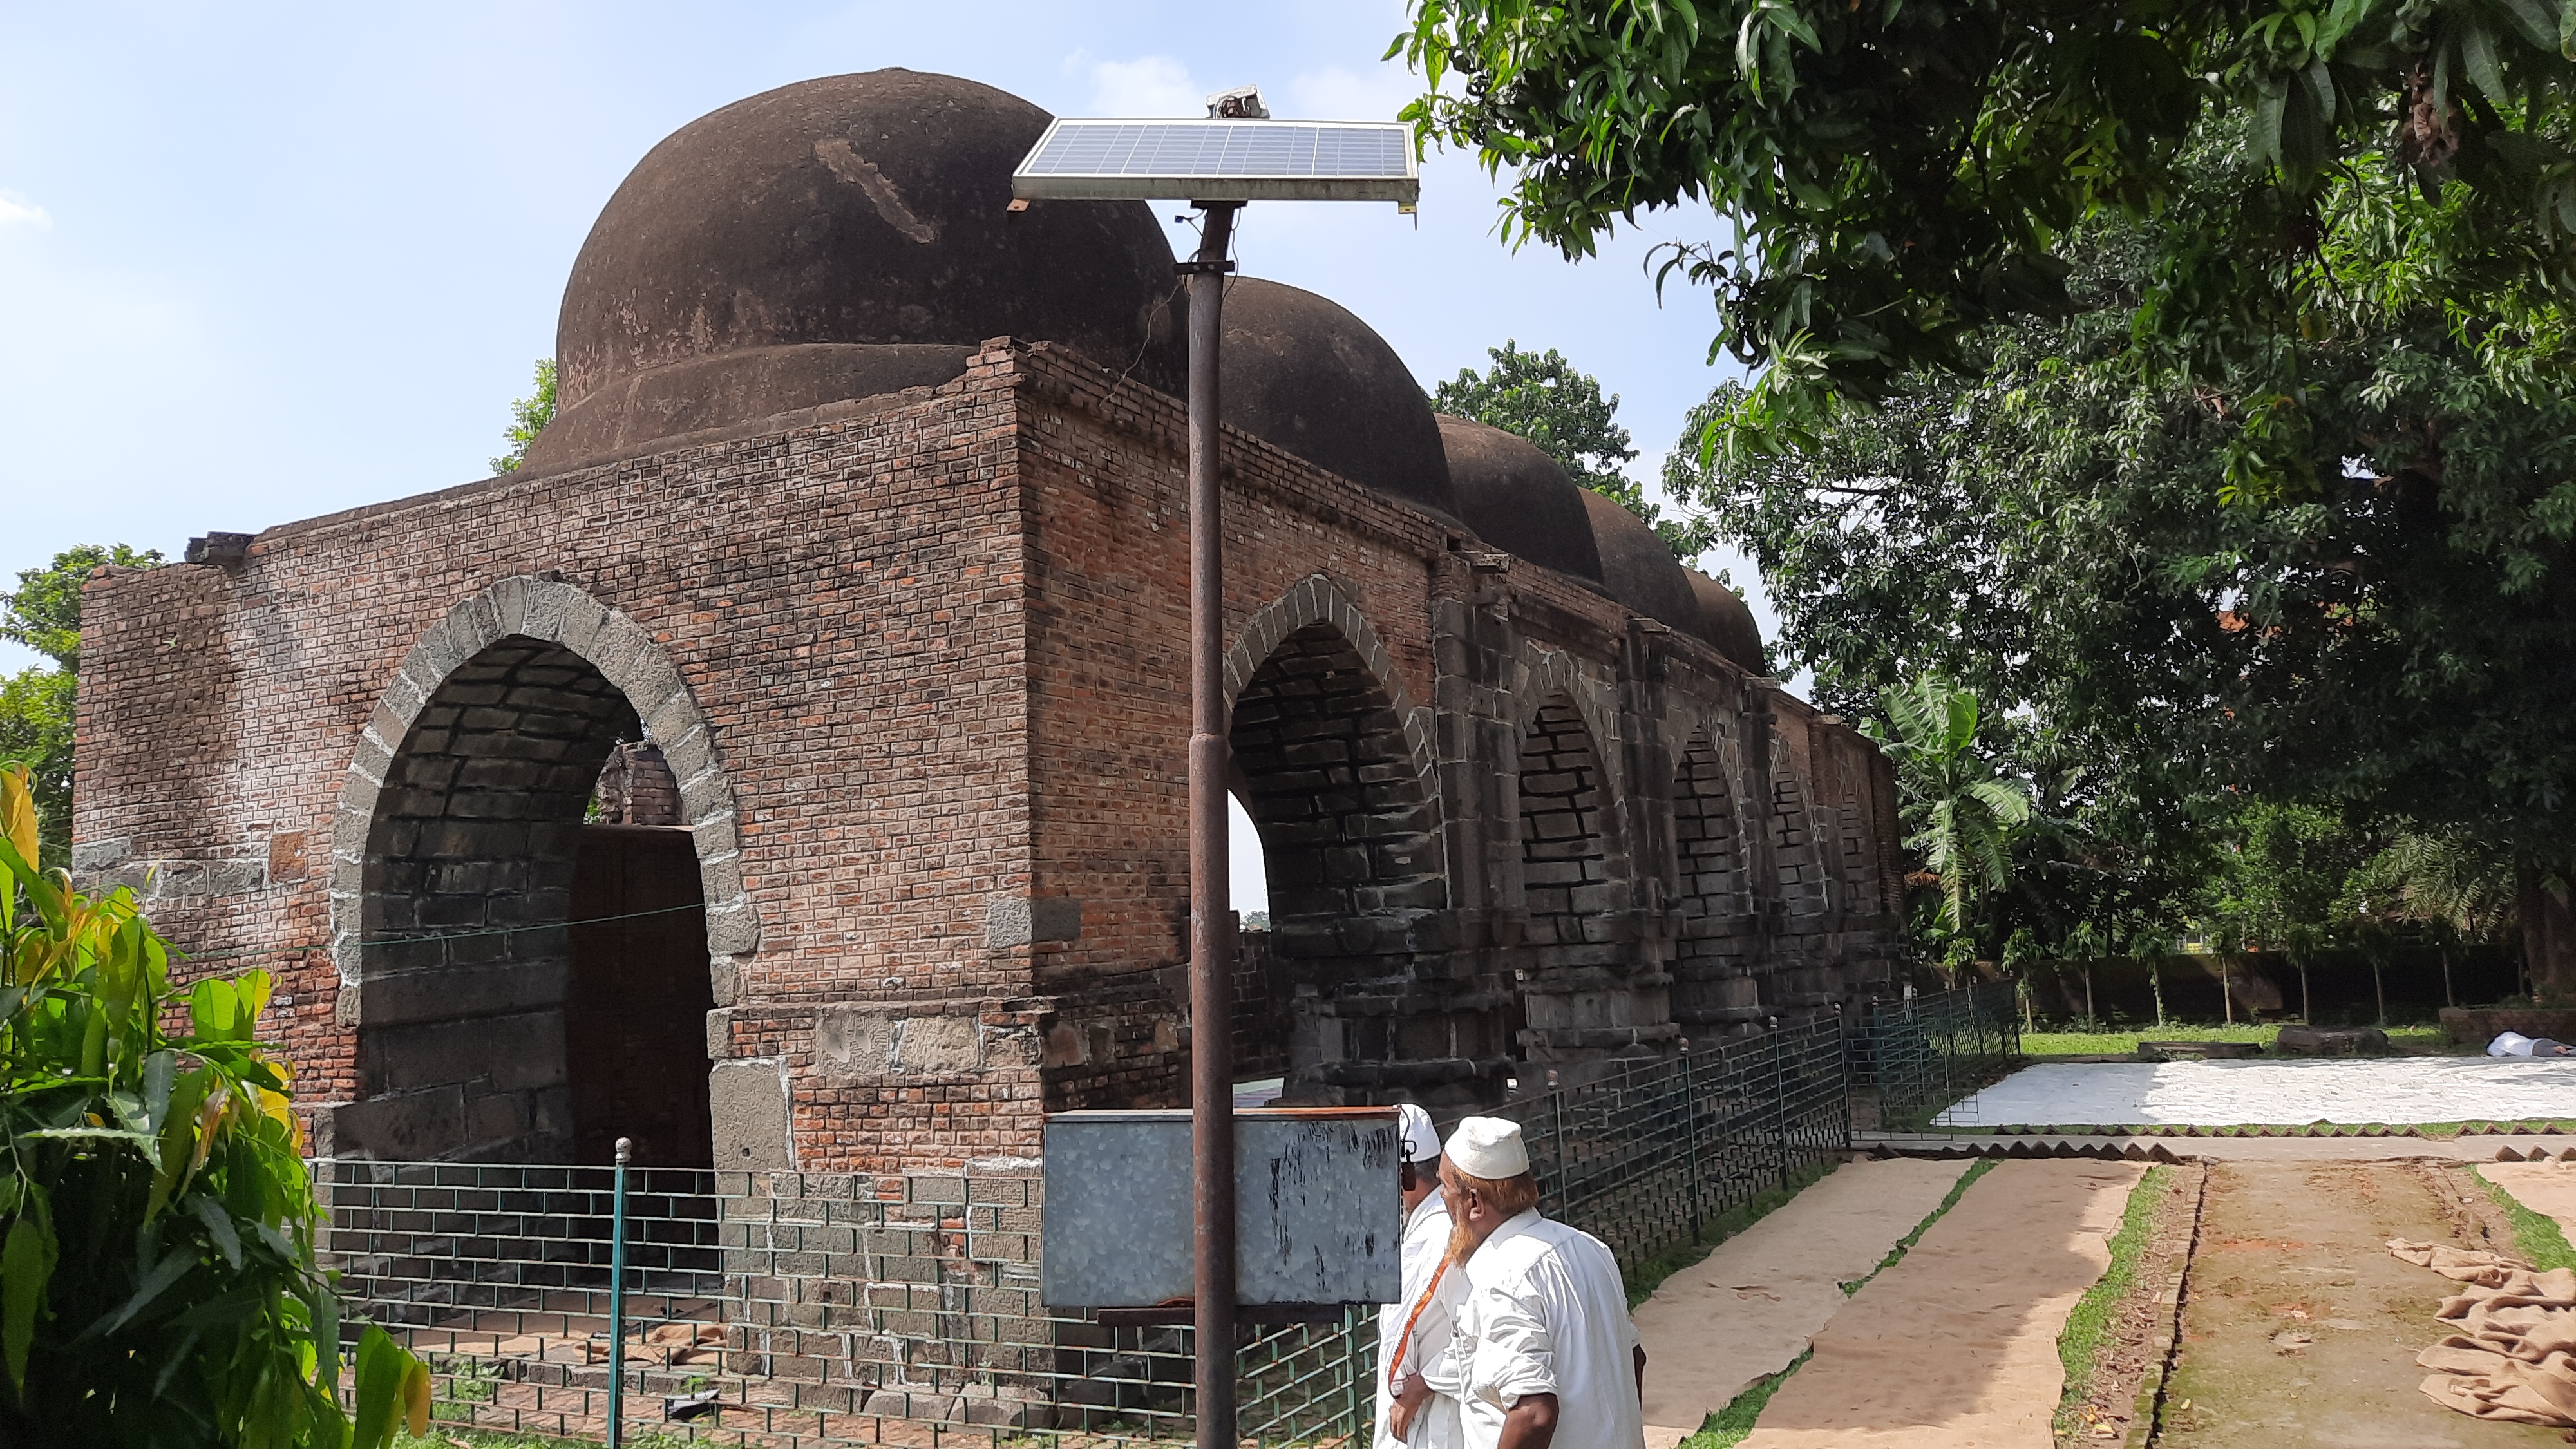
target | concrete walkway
x=1955, y=1347
x=1750, y=1308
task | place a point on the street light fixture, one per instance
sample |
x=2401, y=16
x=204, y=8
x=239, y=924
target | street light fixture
x=1238, y=154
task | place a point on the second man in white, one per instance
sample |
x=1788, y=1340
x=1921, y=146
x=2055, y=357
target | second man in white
x=1413, y=1334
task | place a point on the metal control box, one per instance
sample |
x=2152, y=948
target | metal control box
x=1317, y=1216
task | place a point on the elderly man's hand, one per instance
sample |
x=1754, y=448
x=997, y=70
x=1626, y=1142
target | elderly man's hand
x=1410, y=1396
x=1530, y=1423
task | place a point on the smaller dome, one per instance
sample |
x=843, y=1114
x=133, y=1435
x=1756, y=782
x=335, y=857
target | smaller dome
x=1300, y=371
x=1517, y=498
x=1640, y=571
x=1727, y=623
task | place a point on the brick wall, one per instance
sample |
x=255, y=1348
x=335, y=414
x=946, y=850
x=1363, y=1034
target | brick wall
x=915, y=665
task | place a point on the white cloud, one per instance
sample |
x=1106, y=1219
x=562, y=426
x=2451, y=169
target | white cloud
x=16, y=210
x=1152, y=85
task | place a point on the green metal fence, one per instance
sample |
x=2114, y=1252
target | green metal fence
x=812, y=1310
x=1920, y=1061
x=1644, y=1159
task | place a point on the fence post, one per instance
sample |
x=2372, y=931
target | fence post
x=1690, y=1139
x=1556, y=1109
x=617, y=1300
x=1355, y=1422
x=1842, y=1066
x=1780, y=1105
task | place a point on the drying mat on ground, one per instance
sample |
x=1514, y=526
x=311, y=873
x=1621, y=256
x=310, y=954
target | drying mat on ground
x=2281, y=1093
x=1749, y=1308
x=2513, y=1356
x=2547, y=1188
x=1956, y=1346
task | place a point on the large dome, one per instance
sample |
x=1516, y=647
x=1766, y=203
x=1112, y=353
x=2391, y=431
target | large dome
x=837, y=238
x=1518, y=499
x=1300, y=371
x=1641, y=572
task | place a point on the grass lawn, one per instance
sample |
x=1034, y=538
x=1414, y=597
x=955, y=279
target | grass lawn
x=2534, y=1236
x=2410, y=1040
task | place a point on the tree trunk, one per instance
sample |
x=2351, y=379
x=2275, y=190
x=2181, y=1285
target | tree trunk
x=2091, y=1022
x=2548, y=932
x=2227, y=989
x=2447, y=998
x=2382, y=993
x=2156, y=983
x=2307, y=1013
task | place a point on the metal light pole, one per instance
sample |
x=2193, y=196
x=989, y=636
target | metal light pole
x=1237, y=154
x=1211, y=981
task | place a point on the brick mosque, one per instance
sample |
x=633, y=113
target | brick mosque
x=784, y=767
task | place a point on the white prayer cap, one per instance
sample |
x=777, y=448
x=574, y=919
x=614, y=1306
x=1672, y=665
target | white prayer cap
x=1488, y=1147
x=1421, y=1139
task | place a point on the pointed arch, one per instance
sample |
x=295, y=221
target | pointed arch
x=1567, y=874
x=1318, y=600
x=1323, y=766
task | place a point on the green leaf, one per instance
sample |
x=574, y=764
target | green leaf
x=393, y=1387
x=174, y=1265
x=2477, y=53
x=26, y=1268
x=219, y=1226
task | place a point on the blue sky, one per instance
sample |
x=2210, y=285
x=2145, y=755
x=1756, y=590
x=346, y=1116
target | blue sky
x=263, y=262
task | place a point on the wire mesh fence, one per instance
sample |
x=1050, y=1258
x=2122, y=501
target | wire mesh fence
x=1643, y=1160
x=820, y=1309
x=1917, y=1063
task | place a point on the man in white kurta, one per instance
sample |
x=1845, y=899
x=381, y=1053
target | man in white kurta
x=1414, y=1333
x=1544, y=1355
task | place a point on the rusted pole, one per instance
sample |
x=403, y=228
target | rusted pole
x=1211, y=979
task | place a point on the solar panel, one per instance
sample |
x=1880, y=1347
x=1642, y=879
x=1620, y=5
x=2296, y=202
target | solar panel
x=1221, y=161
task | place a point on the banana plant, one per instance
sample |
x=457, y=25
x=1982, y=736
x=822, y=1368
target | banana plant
x=157, y=1275
x=1961, y=810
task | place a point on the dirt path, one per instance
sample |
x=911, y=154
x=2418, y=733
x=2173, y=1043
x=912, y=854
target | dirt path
x=2298, y=1328
x=1955, y=1347
x=1750, y=1307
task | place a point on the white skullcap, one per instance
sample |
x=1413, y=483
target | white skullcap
x=1488, y=1147
x=1421, y=1139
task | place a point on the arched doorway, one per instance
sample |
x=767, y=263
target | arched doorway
x=1721, y=936
x=529, y=982
x=1326, y=772
x=1587, y=995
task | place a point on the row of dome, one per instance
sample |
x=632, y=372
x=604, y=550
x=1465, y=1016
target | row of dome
x=852, y=236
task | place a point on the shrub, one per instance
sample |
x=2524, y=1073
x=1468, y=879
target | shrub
x=157, y=1277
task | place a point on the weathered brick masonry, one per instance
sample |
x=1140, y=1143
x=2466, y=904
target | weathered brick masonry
x=917, y=667
x=899, y=602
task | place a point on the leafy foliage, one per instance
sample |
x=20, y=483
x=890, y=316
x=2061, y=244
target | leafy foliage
x=2350, y=589
x=528, y=417
x=157, y=1278
x=2461, y=889
x=1961, y=810
x=1901, y=173
x=2193, y=382
x=1540, y=396
x=36, y=718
